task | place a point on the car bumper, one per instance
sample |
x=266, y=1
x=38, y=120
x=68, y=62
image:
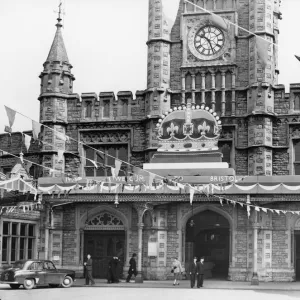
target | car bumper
x=9, y=282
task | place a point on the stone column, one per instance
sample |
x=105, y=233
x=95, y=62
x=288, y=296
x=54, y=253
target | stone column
x=254, y=280
x=203, y=88
x=183, y=89
x=223, y=95
x=213, y=91
x=47, y=226
x=193, y=88
x=233, y=95
x=141, y=208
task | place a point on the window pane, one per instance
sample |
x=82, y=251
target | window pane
x=14, y=229
x=13, y=248
x=6, y=227
x=31, y=230
x=30, y=248
x=297, y=151
x=4, y=248
x=297, y=169
x=106, y=109
x=89, y=153
x=89, y=171
x=22, y=248
x=125, y=108
x=218, y=102
x=23, y=230
x=208, y=99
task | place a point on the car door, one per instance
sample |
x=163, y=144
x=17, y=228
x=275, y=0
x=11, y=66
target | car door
x=51, y=274
x=35, y=270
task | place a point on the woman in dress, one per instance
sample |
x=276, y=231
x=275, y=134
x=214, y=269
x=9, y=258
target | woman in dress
x=177, y=270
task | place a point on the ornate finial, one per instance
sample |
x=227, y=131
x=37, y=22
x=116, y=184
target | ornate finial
x=59, y=15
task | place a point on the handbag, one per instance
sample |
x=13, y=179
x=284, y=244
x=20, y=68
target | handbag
x=172, y=271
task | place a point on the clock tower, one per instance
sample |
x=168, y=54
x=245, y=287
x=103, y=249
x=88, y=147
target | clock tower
x=217, y=64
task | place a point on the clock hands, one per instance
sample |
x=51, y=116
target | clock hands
x=207, y=39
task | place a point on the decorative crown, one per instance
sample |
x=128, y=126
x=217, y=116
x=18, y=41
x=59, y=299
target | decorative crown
x=189, y=128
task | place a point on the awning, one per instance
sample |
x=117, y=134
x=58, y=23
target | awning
x=17, y=184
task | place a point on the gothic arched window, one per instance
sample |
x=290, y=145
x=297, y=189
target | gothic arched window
x=188, y=82
x=297, y=102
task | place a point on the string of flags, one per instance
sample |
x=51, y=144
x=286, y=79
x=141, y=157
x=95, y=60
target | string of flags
x=207, y=189
x=24, y=207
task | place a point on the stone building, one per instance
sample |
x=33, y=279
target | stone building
x=197, y=61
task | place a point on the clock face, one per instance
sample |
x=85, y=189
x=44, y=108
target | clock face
x=209, y=40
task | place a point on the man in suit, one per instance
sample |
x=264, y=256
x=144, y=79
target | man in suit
x=200, y=272
x=193, y=271
x=132, y=268
x=88, y=271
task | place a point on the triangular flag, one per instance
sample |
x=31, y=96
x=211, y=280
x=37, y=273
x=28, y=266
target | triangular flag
x=118, y=164
x=27, y=140
x=221, y=201
x=219, y=21
x=248, y=211
x=264, y=210
x=36, y=129
x=8, y=129
x=60, y=155
x=113, y=171
x=298, y=57
x=11, y=115
x=262, y=46
x=93, y=162
x=192, y=192
x=257, y=208
x=278, y=211
x=61, y=136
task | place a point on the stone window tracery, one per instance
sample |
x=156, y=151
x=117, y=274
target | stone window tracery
x=105, y=220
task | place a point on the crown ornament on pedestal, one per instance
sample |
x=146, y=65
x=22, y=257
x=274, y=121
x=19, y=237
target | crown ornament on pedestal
x=189, y=128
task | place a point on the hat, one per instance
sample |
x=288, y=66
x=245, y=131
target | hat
x=195, y=257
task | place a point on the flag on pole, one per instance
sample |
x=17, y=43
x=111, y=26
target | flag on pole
x=11, y=115
x=219, y=21
x=262, y=46
x=248, y=210
x=36, y=129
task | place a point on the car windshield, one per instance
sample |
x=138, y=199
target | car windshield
x=18, y=264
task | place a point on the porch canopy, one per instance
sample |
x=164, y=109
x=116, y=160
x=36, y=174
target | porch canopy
x=217, y=184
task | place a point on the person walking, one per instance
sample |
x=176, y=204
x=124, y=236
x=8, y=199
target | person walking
x=89, y=271
x=177, y=270
x=132, y=267
x=193, y=271
x=200, y=272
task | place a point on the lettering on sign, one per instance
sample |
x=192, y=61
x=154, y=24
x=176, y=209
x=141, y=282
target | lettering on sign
x=222, y=178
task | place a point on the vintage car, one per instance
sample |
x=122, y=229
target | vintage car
x=36, y=272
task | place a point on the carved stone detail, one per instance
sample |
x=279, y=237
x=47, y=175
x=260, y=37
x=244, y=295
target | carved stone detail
x=105, y=137
x=141, y=208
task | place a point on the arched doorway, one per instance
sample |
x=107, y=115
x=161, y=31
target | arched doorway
x=104, y=237
x=208, y=235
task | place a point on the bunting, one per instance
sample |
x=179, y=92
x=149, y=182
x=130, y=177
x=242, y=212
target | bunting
x=262, y=50
x=11, y=114
x=27, y=140
x=192, y=192
x=60, y=155
x=219, y=21
x=36, y=129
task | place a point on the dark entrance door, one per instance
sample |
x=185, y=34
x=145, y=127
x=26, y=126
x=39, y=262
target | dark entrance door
x=209, y=237
x=297, y=254
x=103, y=245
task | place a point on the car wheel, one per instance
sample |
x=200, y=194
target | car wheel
x=67, y=282
x=29, y=283
x=15, y=286
x=53, y=285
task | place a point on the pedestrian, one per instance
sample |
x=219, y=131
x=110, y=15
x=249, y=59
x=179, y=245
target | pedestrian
x=193, y=271
x=176, y=269
x=109, y=272
x=88, y=265
x=200, y=272
x=116, y=269
x=132, y=267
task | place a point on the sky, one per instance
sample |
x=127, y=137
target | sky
x=105, y=42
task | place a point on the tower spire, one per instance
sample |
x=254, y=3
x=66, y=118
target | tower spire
x=59, y=19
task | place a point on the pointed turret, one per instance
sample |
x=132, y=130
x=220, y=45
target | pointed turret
x=57, y=76
x=58, y=50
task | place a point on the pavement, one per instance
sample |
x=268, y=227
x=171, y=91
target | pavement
x=213, y=284
x=208, y=284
